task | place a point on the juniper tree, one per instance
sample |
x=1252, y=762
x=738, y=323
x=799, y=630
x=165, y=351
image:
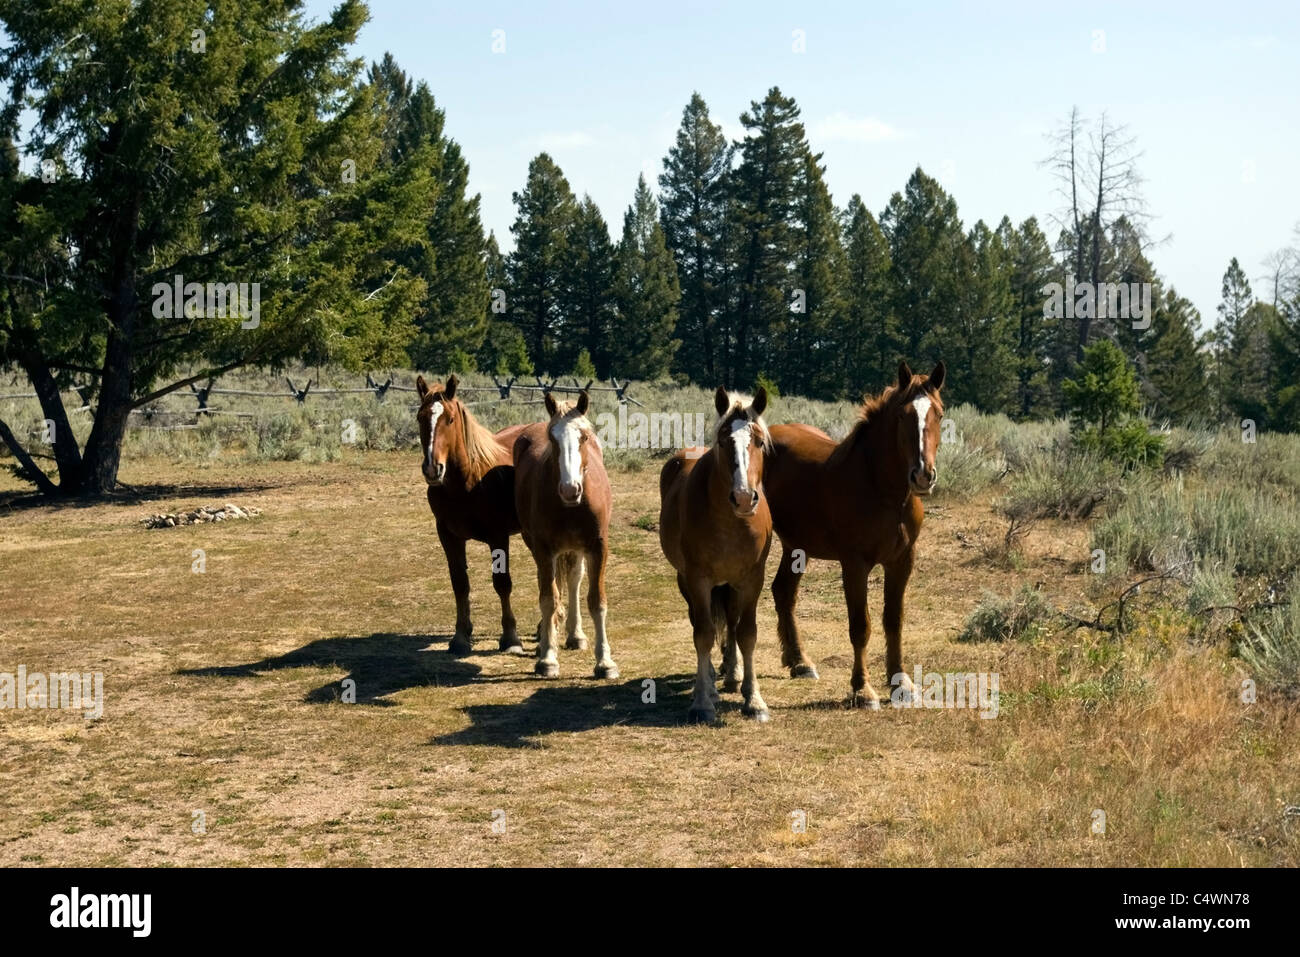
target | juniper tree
x=178, y=143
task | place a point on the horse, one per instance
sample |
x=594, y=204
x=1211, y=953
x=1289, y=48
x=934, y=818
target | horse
x=470, y=477
x=715, y=529
x=563, y=500
x=857, y=502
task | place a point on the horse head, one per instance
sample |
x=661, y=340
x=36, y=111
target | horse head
x=570, y=435
x=740, y=437
x=920, y=414
x=438, y=418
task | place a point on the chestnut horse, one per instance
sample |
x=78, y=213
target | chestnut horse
x=563, y=500
x=858, y=503
x=471, y=493
x=715, y=529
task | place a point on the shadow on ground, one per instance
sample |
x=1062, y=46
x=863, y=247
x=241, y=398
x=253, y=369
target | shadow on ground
x=380, y=664
x=559, y=708
x=19, y=500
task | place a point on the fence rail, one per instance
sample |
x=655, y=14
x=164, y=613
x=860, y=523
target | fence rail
x=504, y=391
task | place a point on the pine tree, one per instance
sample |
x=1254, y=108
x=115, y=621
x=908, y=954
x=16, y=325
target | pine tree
x=645, y=292
x=1284, y=409
x=1176, y=383
x=867, y=343
x=930, y=263
x=259, y=161
x=1251, y=377
x=504, y=351
x=693, y=205
x=547, y=211
x=1031, y=269
x=806, y=363
x=1235, y=300
x=766, y=193
x=587, y=296
x=984, y=328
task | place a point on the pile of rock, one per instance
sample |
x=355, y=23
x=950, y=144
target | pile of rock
x=203, y=513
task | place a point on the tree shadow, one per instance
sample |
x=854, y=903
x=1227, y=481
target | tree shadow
x=560, y=708
x=22, y=499
x=380, y=664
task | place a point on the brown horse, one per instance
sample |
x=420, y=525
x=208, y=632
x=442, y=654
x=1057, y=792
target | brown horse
x=715, y=529
x=857, y=503
x=471, y=493
x=563, y=500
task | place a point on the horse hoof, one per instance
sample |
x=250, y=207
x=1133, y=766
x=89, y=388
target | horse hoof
x=757, y=714
x=575, y=644
x=702, y=716
x=460, y=645
x=730, y=685
x=606, y=671
x=862, y=700
x=547, y=669
x=511, y=646
x=805, y=671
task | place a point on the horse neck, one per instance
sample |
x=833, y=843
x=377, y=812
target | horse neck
x=875, y=453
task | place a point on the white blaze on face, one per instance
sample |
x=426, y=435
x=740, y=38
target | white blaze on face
x=567, y=434
x=435, y=413
x=740, y=438
x=922, y=405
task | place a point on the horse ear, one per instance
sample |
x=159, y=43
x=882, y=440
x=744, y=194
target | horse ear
x=721, y=401
x=904, y=374
x=421, y=386
x=450, y=390
x=936, y=376
x=551, y=407
x=760, y=401
x=584, y=402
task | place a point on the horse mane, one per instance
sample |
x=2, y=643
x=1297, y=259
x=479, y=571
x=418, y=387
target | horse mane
x=741, y=401
x=482, y=451
x=875, y=407
x=566, y=410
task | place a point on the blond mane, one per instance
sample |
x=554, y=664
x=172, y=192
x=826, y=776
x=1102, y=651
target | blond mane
x=482, y=451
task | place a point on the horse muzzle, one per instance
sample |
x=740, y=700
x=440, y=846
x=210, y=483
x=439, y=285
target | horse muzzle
x=571, y=494
x=744, y=501
x=436, y=474
x=922, y=480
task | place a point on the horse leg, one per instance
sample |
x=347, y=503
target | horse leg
x=462, y=641
x=700, y=596
x=747, y=636
x=896, y=576
x=503, y=585
x=855, y=573
x=596, y=560
x=785, y=592
x=548, y=665
x=690, y=614
x=577, y=638
x=733, y=669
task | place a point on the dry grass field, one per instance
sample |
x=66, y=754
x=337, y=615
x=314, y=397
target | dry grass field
x=222, y=696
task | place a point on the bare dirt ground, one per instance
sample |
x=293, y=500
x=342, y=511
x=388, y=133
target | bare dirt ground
x=222, y=696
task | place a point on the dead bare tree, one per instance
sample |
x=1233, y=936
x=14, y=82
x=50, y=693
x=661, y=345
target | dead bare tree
x=1096, y=169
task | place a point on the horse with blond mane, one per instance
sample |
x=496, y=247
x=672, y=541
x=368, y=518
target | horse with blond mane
x=715, y=529
x=471, y=493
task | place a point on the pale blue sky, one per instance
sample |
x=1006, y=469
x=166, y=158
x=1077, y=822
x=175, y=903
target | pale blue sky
x=968, y=91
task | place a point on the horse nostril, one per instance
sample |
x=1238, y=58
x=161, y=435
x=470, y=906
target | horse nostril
x=753, y=498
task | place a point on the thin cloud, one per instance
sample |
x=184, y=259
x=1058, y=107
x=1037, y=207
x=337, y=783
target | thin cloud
x=843, y=128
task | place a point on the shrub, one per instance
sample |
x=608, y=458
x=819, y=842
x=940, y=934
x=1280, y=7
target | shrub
x=1023, y=616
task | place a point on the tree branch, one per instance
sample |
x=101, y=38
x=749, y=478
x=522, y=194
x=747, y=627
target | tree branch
x=25, y=460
